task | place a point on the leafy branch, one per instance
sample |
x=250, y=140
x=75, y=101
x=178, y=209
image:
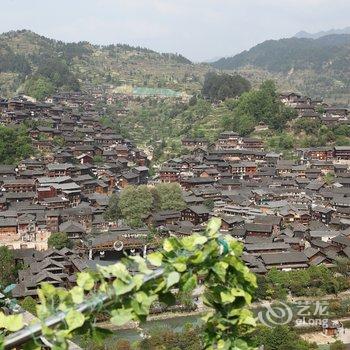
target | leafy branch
x=178, y=266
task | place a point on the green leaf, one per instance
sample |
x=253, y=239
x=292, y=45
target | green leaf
x=85, y=281
x=190, y=243
x=190, y=284
x=227, y=297
x=74, y=319
x=220, y=269
x=155, y=258
x=120, y=271
x=142, y=303
x=12, y=323
x=138, y=280
x=173, y=278
x=167, y=246
x=142, y=266
x=198, y=258
x=121, y=288
x=181, y=267
x=48, y=289
x=77, y=294
x=245, y=317
x=121, y=316
x=213, y=226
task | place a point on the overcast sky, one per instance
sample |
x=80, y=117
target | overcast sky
x=198, y=29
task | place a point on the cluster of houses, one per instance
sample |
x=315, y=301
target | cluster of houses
x=288, y=213
x=66, y=187
x=316, y=109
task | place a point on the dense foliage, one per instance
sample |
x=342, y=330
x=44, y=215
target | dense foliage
x=312, y=67
x=313, y=281
x=187, y=339
x=12, y=62
x=112, y=212
x=25, y=55
x=222, y=86
x=52, y=74
x=15, y=144
x=257, y=106
x=8, y=268
x=314, y=134
x=264, y=106
x=29, y=304
x=137, y=202
x=168, y=197
x=281, y=337
x=59, y=240
x=284, y=54
x=39, y=87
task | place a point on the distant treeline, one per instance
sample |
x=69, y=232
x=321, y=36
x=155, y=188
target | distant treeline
x=11, y=62
x=332, y=52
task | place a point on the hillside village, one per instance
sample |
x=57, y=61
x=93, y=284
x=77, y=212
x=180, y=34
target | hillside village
x=290, y=214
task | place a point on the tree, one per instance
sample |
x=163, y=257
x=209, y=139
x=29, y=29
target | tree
x=112, y=212
x=343, y=265
x=39, y=87
x=29, y=304
x=281, y=337
x=168, y=197
x=135, y=202
x=15, y=144
x=8, y=269
x=264, y=106
x=59, y=240
x=222, y=86
x=328, y=178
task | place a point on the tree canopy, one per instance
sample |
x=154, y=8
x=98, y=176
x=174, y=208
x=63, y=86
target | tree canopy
x=264, y=106
x=168, y=197
x=39, y=87
x=52, y=74
x=15, y=144
x=281, y=337
x=222, y=86
x=59, y=240
x=112, y=212
x=134, y=203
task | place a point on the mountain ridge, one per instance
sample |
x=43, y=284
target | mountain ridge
x=23, y=53
x=319, y=67
x=317, y=35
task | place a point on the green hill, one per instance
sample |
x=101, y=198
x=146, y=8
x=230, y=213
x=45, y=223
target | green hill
x=314, y=66
x=25, y=57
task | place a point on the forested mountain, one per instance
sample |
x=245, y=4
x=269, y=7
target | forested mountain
x=314, y=66
x=304, y=34
x=28, y=59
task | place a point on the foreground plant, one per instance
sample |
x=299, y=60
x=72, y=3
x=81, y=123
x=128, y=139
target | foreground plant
x=179, y=265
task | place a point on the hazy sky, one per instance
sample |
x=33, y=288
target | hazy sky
x=198, y=29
